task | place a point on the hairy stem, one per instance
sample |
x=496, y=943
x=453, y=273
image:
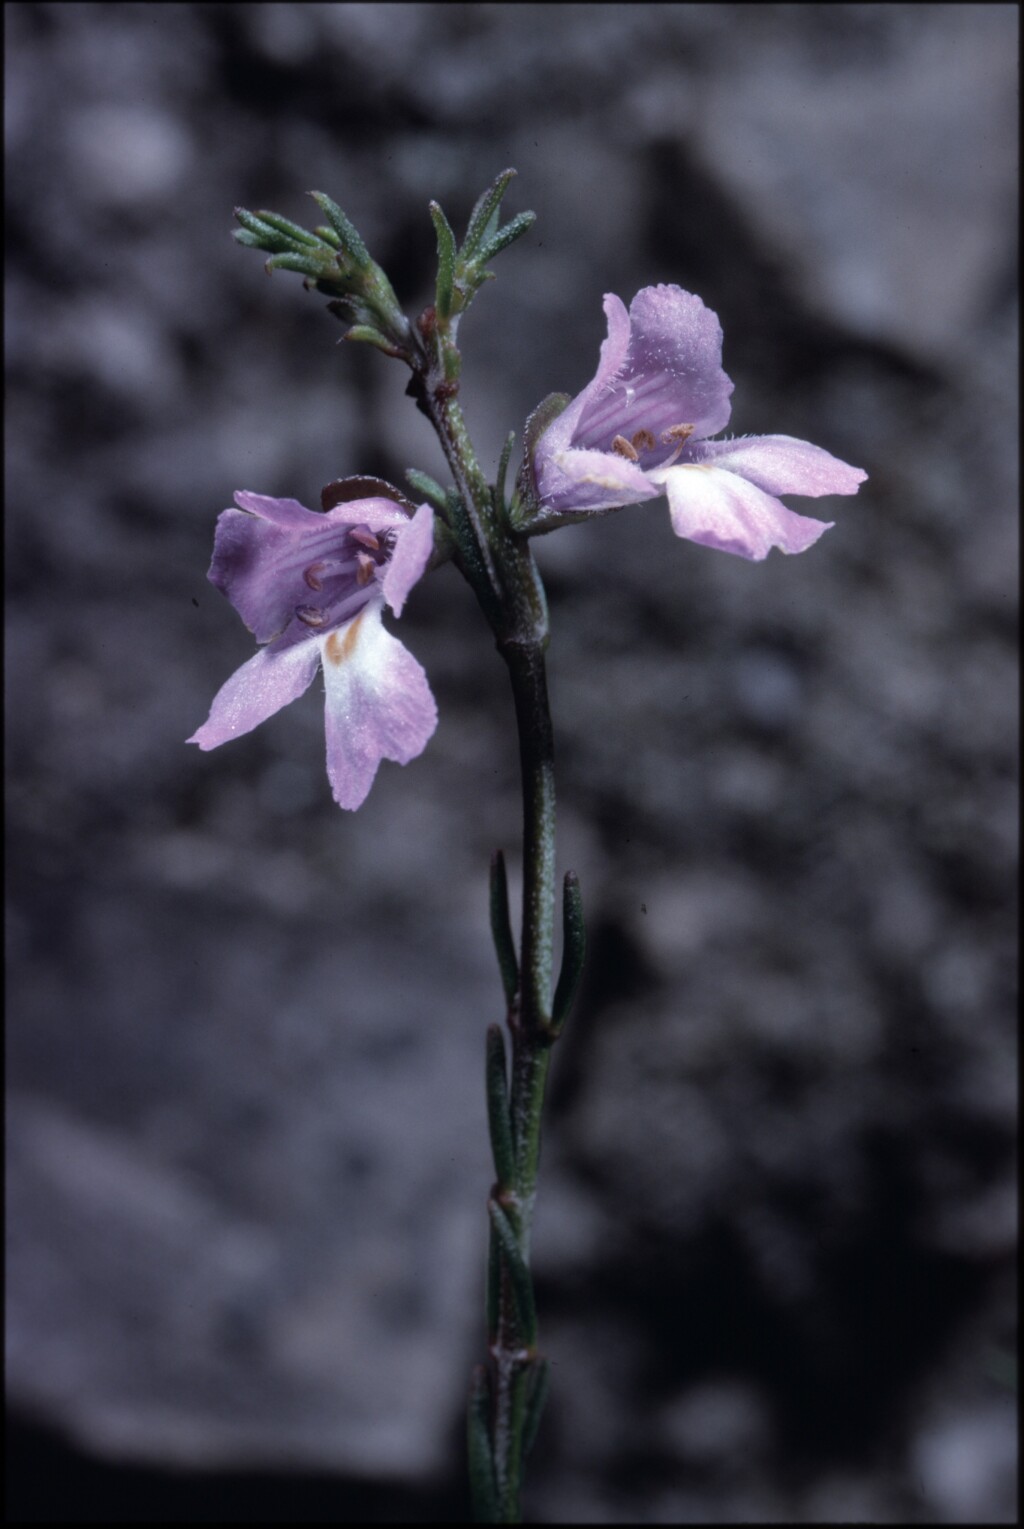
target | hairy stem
x=513, y=1346
x=499, y=565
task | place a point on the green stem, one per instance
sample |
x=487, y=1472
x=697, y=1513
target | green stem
x=513, y=1344
x=536, y=756
x=501, y=569
x=435, y=385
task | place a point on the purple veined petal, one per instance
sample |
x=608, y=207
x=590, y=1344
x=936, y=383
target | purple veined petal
x=722, y=510
x=780, y=464
x=562, y=431
x=378, y=704
x=259, y=564
x=670, y=375
x=414, y=545
x=589, y=482
x=289, y=514
x=270, y=680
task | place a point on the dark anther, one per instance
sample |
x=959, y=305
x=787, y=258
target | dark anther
x=310, y=615
x=625, y=449
x=365, y=537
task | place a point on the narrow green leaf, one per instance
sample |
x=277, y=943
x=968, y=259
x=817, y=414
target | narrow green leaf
x=260, y=235
x=538, y=1385
x=308, y=265
x=251, y=221
x=518, y=1273
x=286, y=226
x=432, y=492
x=574, y=950
x=505, y=236
x=499, y=1120
x=380, y=296
x=371, y=336
x=248, y=238
x=348, y=235
x=501, y=927
x=483, y=220
x=445, y=262
x=499, y=482
x=467, y=552
x=483, y=1482
x=328, y=235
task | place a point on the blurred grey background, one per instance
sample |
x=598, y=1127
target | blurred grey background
x=247, y=1162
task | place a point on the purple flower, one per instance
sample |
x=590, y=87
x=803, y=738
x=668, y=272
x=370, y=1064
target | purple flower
x=641, y=428
x=312, y=587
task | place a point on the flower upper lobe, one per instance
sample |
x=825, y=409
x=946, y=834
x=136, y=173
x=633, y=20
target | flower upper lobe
x=312, y=588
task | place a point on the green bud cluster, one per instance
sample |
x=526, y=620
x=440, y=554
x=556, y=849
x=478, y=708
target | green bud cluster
x=335, y=261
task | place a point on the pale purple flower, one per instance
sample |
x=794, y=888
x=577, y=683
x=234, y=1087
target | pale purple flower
x=641, y=428
x=312, y=588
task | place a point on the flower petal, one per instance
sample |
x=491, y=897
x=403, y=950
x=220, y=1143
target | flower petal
x=378, y=513
x=670, y=375
x=588, y=482
x=378, y=704
x=258, y=563
x=780, y=464
x=562, y=431
x=289, y=514
x=270, y=680
x=720, y=509
x=414, y=545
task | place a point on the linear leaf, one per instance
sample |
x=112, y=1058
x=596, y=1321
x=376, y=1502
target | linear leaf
x=483, y=1483
x=518, y=1273
x=499, y=1121
x=351, y=243
x=483, y=220
x=445, y=262
x=501, y=927
x=574, y=951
